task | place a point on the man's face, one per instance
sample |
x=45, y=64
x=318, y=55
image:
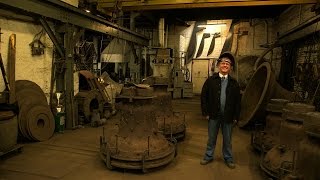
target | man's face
x=224, y=66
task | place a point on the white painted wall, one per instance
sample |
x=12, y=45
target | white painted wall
x=28, y=67
x=72, y=2
x=218, y=26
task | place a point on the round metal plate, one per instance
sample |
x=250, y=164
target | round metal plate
x=25, y=84
x=27, y=95
x=40, y=123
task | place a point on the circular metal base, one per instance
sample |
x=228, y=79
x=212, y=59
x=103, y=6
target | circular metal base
x=277, y=162
x=143, y=161
x=179, y=136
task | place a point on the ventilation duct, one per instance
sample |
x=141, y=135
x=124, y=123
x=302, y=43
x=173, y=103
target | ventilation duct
x=116, y=51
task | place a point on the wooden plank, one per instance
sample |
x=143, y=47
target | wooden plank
x=129, y=5
x=12, y=68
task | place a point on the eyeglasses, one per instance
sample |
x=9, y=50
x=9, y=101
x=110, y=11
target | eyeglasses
x=225, y=63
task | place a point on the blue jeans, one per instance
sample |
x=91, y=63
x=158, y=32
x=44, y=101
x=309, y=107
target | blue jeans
x=213, y=130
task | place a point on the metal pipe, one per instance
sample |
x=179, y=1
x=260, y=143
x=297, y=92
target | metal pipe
x=148, y=145
x=145, y=64
x=161, y=32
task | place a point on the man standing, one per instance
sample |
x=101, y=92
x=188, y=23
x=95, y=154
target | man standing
x=220, y=104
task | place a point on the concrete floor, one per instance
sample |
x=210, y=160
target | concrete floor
x=74, y=155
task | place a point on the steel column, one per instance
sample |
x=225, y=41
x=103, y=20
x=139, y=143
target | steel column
x=69, y=93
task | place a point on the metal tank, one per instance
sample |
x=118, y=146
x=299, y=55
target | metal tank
x=138, y=144
x=279, y=160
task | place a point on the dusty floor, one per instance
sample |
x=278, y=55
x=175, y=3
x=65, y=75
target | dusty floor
x=74, y=155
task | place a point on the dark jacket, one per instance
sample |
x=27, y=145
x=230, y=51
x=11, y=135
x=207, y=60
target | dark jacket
x=210, y=98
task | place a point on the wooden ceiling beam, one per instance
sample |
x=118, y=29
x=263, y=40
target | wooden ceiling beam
x=136, y=5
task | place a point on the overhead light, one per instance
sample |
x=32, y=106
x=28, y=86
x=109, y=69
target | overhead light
x=87, y=10
x=208, y=25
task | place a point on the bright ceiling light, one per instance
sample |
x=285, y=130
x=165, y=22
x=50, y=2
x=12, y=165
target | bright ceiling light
x=215, y=25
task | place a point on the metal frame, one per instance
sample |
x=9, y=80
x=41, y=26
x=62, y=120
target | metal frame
x=66, y=13
x=170, y=4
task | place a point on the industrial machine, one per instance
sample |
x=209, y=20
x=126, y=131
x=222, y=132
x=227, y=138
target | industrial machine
x=168, y=73
x=96, y=96
x=137, y=144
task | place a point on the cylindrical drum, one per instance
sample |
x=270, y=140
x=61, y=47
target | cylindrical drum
x=308, y=162
x=280, y=158
x=266, y=139
x=273, y=121
x=8, y=130
x=309, y=148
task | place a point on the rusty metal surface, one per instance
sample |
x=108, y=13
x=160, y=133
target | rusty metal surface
x=261, y=88
x=291, y=133
x=138, y=144
x=128, y=91
x=172, y=124
x=22, y=84
x=312, y=124
x=281, y=158
x=276, y=160
x=296, y=111
x=89, y=100
x=308, y=161
x=276, y=105
x=245, y=70
x=87, y=74
x=35, y=119
x=256, y=94
x=163, y=103
x=269, y=136
x=40, y=124
x=27, y=95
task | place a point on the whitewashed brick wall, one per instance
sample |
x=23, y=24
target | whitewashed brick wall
x=28, y=67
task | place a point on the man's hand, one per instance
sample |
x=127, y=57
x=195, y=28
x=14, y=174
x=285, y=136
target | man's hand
x=235, y=122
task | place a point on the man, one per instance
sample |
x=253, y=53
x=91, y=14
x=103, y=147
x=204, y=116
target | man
x=220, y=104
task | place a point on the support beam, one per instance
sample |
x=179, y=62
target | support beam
x=53, y=37
x=132, y=5
x=66, y=13
x=69, y=39
x=306, y=28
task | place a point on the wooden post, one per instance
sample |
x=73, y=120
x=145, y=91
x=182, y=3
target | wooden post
x=12, y=67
